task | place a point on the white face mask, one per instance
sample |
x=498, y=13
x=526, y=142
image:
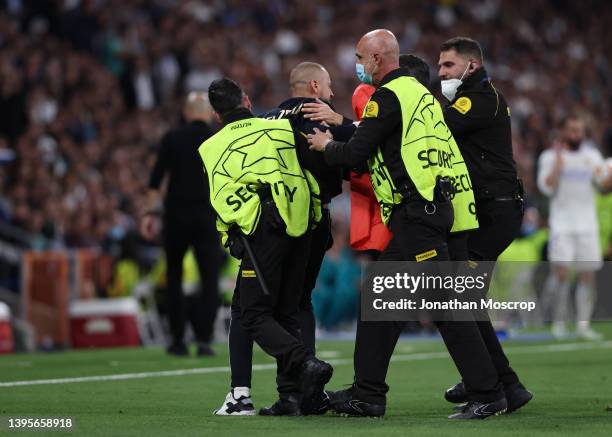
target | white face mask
x=449, y=86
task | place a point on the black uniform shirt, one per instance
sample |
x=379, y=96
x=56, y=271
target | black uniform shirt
x=479, y=120
x=382, y=129
x=178, y=157
x=329, y=178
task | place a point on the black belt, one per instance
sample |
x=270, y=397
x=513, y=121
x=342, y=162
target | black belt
x=410, y=195
x=506, y=199
x=500, y=192
x=443, y=191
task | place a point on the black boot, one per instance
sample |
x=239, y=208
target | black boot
x=344, y=402
x=289, y=406
x=320, y=405
x=517, y=396
x=456, y=394
x=481, y=410
x=315, y=374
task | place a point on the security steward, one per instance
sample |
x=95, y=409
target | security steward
x=402, y=127
x=463, y=197
x=262, y=198
x=309, y=83
x=188, y=221
x=479, y=119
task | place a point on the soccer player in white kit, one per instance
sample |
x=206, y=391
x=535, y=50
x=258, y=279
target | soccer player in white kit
x=568, y=173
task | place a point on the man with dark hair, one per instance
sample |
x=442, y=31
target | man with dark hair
x=309, y=83
x=465, y=46
x=188, y=220
x=417, y=67
x=479, y=119
x=266, y=204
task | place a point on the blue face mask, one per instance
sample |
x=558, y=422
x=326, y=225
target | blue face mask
x=528, y=229
x=361, y=74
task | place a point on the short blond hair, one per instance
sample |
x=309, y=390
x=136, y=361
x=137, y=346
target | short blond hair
x=304, y=72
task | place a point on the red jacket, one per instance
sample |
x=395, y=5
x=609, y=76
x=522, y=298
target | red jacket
x=367, y=230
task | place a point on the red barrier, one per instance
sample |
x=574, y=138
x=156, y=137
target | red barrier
x=6, y=333
x=46, y=289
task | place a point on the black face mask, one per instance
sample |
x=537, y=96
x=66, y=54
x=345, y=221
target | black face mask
x=573, y=145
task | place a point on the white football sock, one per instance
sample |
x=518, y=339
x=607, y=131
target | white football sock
x=585, y=303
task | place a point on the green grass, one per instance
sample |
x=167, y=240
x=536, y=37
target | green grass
x=573, y=394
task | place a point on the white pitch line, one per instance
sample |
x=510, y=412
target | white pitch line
x=337, y=362
x=329, y=354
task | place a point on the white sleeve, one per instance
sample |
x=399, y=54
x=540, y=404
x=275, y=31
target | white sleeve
x=546, y=162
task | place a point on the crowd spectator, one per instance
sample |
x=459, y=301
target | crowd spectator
x=87, y=88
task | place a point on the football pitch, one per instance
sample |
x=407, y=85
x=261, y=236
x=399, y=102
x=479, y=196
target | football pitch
x=144, y=392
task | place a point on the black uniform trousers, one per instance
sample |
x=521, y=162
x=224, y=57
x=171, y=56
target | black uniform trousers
x=240, y=342
x=186, y=227
x=499, y=224
x=271, y=320
x=321, y=242
x=414, y=232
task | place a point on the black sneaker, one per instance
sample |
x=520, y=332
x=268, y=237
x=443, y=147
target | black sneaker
x=315, y=374
x=320, y=405
x=178, y=349
x=517, y=396
x=343, y=402
x=456, y=394
x=460, y=407
x=204, y=350
x=289, y=406
x=479, y=410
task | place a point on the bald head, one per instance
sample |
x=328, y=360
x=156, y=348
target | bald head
x=378, y=51
x=380, y=41
x=197, y=107
x=309, y=79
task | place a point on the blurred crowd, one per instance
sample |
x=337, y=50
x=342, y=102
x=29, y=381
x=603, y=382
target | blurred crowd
x=88, y=87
